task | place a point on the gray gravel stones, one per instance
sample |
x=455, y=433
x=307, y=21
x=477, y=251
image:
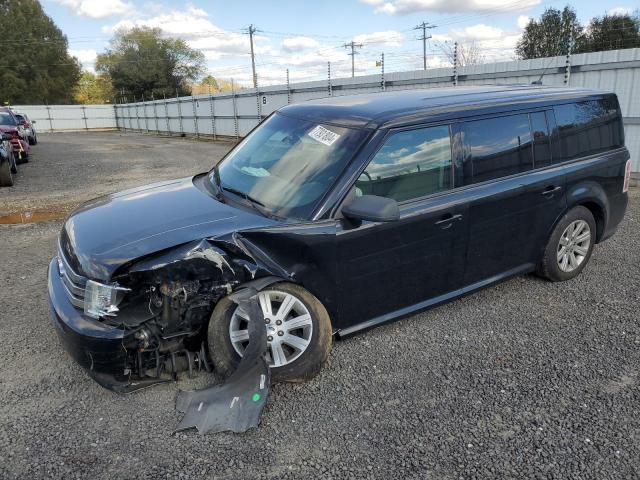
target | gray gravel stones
x=527, y=379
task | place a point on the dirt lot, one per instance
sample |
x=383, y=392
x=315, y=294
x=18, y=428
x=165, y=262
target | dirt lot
x=524, y=380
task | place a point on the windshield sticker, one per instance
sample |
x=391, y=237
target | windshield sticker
x=255, y=172
x=323, y=135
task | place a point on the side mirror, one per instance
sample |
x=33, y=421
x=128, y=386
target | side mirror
x=6, y=137
x=33, y=121
x=372, y=208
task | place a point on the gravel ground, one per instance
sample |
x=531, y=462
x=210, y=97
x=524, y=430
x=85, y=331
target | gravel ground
x=528, y=379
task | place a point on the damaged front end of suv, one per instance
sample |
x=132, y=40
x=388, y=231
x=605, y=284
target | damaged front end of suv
x=140, y=287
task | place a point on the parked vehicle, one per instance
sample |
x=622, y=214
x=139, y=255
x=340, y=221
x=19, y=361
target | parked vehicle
x=7, y=162
x=344, y=213
x=29, y=127
x=9, y=124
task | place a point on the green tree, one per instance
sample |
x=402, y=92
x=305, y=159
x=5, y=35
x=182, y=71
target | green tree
x=611, y=32
x=35, y=66
x=555, y=33
x=94, y=89
x=210, y=81
x=141, y=62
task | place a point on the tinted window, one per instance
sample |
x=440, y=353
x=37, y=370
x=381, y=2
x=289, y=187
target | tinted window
x=588, y=127
x=410, y=164
x=7, y=119
x=541, y=140
x=496, y=147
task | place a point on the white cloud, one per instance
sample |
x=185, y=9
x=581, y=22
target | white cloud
x=523, y=21
x=299, y=43
x=405, y=7
x=389, y=38
x=85, y=56
x=620, y=11
x=98, y=8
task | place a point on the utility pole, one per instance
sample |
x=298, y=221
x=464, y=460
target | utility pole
x=424, y=26
x=353, y=45
x=251, y=30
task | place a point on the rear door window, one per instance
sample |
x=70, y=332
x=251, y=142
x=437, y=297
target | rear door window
x=496, y=147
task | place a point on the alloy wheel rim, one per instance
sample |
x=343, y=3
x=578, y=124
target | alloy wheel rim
x=573, y=245
x=288, y=323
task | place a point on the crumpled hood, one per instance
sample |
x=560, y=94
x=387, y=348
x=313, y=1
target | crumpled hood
x=111, y=231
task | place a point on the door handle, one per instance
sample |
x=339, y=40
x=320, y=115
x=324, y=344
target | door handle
x=551, y=190
x=447, y=220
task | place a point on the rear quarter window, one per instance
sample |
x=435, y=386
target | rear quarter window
x=588, y=127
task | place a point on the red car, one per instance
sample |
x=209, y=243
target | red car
x=9, y=124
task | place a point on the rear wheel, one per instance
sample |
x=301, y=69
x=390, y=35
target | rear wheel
x=570, y=246
x=298, y=333
x=6, y=177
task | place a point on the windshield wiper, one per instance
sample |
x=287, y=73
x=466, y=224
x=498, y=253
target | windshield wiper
x=256, y=204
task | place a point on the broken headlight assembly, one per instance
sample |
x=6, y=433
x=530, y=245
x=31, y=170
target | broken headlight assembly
x=102, y=300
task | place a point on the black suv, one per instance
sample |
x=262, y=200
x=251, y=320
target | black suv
x=344, y=213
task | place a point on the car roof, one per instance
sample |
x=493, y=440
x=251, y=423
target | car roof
x=374, y=110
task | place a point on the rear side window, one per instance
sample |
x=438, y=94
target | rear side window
x=496, y=147
x=541, y=139
x=411, y=164
x=588, y=127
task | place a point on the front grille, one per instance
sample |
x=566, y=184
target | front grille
x=73, y=283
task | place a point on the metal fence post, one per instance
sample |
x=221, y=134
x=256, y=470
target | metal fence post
x=329, y=79
x=455, y=64
x=179, y=112
x=235, y=110
x=155, y=113
x=195, y=117
x=137, y=114
x=567, y=68
x=115, y=112
x=258, y=105
x=146, y=117
x=382, y=82
x=49, y=117
x=288, y=89
x=213, y=115
x=166, y=112
x=84, y=117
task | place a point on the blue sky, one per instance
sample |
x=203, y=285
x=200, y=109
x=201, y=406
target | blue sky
x=304, y=35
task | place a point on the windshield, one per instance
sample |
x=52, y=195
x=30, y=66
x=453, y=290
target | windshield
x=286, y=165
x=7, y=119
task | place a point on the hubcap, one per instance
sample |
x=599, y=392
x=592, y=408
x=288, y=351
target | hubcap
x=573, y=245
x=288, y=323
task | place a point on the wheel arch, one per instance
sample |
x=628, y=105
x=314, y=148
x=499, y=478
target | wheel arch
x=592, y=196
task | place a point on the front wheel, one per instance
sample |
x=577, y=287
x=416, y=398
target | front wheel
x=570, y=246
x=298, y=333
x=6, y=177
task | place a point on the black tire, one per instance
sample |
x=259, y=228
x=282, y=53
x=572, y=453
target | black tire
x=14, y=164
x=32, y=140
x=309, y=364
x=6, y=177
x=548, y=266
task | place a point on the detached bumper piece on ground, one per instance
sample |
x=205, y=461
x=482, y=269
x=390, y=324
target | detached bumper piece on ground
x=236, y=404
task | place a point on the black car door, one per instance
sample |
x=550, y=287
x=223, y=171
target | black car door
x=513, y=203
x=387, y=269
